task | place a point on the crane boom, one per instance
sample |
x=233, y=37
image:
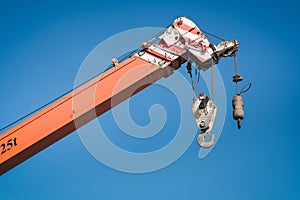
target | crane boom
x=182, y=41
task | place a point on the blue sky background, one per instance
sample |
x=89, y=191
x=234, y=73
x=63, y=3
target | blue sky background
x=44, y=44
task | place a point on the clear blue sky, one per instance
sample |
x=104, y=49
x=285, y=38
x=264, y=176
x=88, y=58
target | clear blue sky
x=44, y=44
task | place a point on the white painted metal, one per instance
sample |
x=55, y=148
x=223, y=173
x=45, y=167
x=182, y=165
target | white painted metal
x=204, y=111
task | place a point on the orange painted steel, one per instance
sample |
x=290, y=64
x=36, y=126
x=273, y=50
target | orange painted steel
x=76, y=109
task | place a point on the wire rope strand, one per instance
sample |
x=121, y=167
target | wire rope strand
x=213, y=35
x=213, y=81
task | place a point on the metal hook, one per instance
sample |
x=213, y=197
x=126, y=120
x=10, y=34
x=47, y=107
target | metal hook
x=202, y=142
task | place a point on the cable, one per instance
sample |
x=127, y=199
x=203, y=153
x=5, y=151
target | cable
x=208, y=33
x=25, y=116
x=57, y=98
x=212, y=81
x=235, y=64
x=236, y=72
x=152, y=39
x=243, y=90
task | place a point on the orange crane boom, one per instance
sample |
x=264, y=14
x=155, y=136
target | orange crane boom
x=76, y=109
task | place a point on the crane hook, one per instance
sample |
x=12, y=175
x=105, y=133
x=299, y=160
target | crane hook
x=204, y=111
x=202, y=143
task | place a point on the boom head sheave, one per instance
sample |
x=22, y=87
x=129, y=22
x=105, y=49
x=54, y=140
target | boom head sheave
x=184, y=40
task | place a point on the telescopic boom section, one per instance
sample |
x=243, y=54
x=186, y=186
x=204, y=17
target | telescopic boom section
x=76, y=109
